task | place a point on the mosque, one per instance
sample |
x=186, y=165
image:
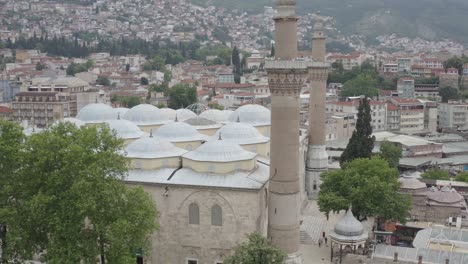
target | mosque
x=219, y=175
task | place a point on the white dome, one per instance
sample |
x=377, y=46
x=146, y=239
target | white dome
x=121, y=111
x=74, y=121
x=96, y=113
x=125, y=129
x=32, y=130
x=184, y=114
x=145, y=114
x=213, y=115
x=152, y=148
x=169, y=113
x=179, y=132
x=253, y=114
x=226, y=114
x=240, y=133
x=220, y=151
x=349, y=226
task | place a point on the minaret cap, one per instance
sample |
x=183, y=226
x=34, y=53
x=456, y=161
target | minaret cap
x=318, y=22
x=286, y=8
x=286, y=3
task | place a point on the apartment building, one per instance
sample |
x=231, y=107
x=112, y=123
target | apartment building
x=411, y=114
x=453, y=114
x=405, y=87
x=378, y=112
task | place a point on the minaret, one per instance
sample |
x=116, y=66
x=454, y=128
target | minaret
x=286, y=76
x=317, y=157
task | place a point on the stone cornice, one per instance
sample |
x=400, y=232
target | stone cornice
x=286, y=82
x=318, y=74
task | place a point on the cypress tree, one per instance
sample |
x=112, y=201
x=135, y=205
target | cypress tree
x=273, y=51
x=362, y=142
x=236, y=62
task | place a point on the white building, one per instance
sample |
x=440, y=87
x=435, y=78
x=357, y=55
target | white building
x=453, y=114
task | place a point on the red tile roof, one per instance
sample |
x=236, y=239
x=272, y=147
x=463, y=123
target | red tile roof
x=5, y=110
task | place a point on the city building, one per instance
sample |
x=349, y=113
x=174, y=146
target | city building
x=8, y=90
x=393, y=117
x=411, y=114
x=427, y=91
x=449, y=79
x=378, y=112
x=453, y=114
x=405, y=87
x=255, y=60
x=404, y=66
x=5, y=113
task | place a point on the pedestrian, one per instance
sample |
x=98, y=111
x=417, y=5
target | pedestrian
x=320, y=242
x=326, y=241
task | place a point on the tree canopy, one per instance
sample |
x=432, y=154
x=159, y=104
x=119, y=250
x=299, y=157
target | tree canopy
x=436, y=174
x=361, y=143
x=448, y=93
x=181, y=96
x=257, y=250
x=363, y=84
x=370, y=186
x=463, y=177
x=70, y=203
x=391, y=153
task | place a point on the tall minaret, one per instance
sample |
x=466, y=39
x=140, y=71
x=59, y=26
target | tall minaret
x=286, y=76
x=317, y=157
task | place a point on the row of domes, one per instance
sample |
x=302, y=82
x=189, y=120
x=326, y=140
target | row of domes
x=146, y=114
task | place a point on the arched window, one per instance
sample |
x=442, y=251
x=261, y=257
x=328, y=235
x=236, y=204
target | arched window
x=216, y=215
x=194, y=214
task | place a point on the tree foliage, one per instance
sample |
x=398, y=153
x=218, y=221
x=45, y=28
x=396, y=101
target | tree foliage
x=448, y=93
x=257, y=250
x=361, y=143
x=75, y=68
x=126, y=101
x=101, y=80
x=181, y=96
x=363, y=84
x=436, y=174
x=391, y=153
x=144, y=81
x=456, y=62
x=70, y=203
x=370, y=186
x=463, y=177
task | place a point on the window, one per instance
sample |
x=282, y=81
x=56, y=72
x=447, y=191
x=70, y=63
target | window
x=216, y=215
x=194, y=215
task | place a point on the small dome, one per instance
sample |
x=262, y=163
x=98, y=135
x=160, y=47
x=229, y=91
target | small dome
x=226, y=114
x=169, y=113
x=445, y=196
x=200, y=122
x=184, y=114
x=96, y=113
x=152, y=148
x=349, y=226
x=213, y=115
x=121, y=111
x=253, y=114
x=32, y=130
x=179, y=132
x=241, y=133
x=220, y=151
x=74, y=121
x=411, y=183
x=125, y=129
x=145, y=114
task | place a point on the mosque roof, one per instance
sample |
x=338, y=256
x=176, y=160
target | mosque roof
x=220, y=151
x=200, y=122
x=121, y=111
x=253, y=114
x=184, y=114
x=76, y=122
x=145, y=114
x=240, y=133
x=408, y=182
x=96, y=113
x=152, y=148
x=125, y=129
x=179, y=132
x=169, y=113
x=445, y=196
x=213, y=115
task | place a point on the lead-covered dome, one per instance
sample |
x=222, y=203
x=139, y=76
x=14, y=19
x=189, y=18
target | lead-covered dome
x=145, y=115
x=152, y=148
x=184, y=114
x=411, y=183
x=240, y=133
x=125, y=129
x=214, y=115
x=78, y=123
x=349, y=226
x=179, y=132
x=96, y=113
x=219, y=151
x=169, y=113
x=121, y=111
x=253, y=114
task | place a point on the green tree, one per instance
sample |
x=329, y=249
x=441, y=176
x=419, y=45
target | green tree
x=144, y=81
x=272, y=51
x=448, y=93
x=370, y=186
x=181, y=96
x=454, y=62
x=40, y=66
x=127, y=67
x=364, y=84
x=436, y=174
x=73, y=205
x=236, y=62
x=257, y=250
x=463, y=177
x=103, y=81
x=391, y=153
x=361, y=143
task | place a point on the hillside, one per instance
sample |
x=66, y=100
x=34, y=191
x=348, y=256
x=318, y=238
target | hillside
x=429, y=19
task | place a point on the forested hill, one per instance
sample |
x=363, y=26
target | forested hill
x=430, y=19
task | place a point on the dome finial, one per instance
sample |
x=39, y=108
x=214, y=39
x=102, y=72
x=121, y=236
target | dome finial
x=177, y=120
x=238, y=119
x=219, y=137
x=151, y=133
x=118, y=115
